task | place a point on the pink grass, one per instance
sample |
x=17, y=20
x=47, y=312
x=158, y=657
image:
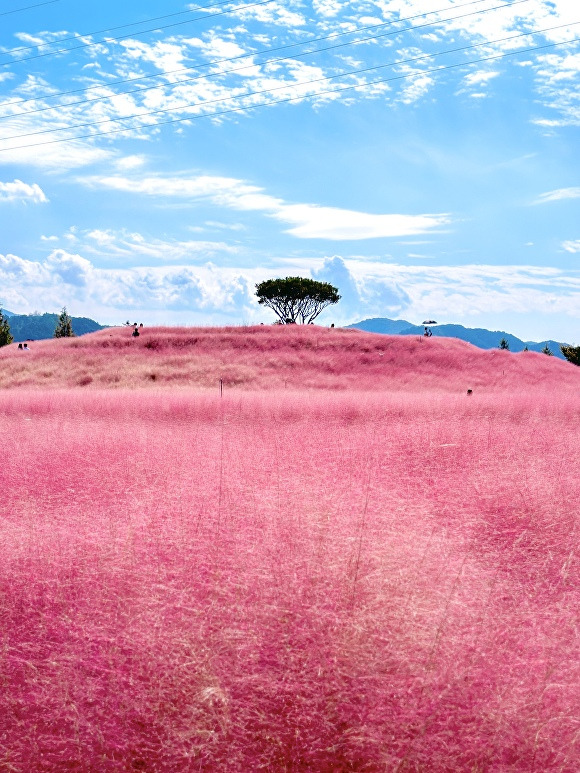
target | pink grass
x=267, y=357
x=291, y=580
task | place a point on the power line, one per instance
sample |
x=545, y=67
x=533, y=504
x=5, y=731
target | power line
x=360, y=71
x=244, y=56
x=121, y=26
x=129, y=34
x=267, y=61
x=28, y=7
x=340, y=89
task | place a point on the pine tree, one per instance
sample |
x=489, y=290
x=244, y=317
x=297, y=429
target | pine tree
x=571, y=353
x=5, y=334
x=547, y=350
x=64, y=325
x=503, y=344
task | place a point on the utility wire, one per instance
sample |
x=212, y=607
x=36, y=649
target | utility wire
x=265, y=62
x=255, y=53
x=127, y=35
x=300, y=97
x=28, y=7
x=120, y=26
x=348, y=73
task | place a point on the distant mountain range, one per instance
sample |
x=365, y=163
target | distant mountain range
x=34, y=327
x=480, y=337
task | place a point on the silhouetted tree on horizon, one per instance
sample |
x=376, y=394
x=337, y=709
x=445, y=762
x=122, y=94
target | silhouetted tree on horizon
x=64, y=325
x=5, y=334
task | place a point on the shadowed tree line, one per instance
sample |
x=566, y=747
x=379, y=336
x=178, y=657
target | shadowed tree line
x=34, y=327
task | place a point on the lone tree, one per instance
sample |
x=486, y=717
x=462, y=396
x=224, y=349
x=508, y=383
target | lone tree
x=5, y=334
x=503, y=344
x=571, y=353
x=547, y=350
x=296, y=299
x=64, y=325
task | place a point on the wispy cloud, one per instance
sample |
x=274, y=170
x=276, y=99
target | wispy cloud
x=558, y=195
x=307, y=221
x=572, y=246
x=315, y=222
x=131, y=248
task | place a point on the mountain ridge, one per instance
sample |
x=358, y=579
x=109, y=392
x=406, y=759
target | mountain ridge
x=480, y=337
x=37, y=327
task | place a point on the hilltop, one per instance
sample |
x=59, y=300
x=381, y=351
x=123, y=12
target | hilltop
x=273, y=357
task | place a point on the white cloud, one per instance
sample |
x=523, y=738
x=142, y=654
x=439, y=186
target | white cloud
x=221, y=86
x=360, y=298
x=307, y=221
x=113, y=244
x=70, y=269
x=477, y=78
x=19, y=191
x=572, y=246
x=276, y=13
x=65, y=278
x=558, y=195
x=60, y=157
x=557, y=84
x=458, y=292
x=127, y=163
x=164, y=56
x=218, y=295
x=225, y=226
x=130, y=247
x=314, y=222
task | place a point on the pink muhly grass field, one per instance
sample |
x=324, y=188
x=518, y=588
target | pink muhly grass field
x=289, y=581
x=272, y=357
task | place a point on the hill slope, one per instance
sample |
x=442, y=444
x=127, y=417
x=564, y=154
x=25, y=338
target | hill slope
x=270, y=357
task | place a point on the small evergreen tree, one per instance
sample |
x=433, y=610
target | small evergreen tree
x=525, y=349
x=503, y=344
x=571, y=353
x=5, y=334
x=547, y=350
x=64, y=325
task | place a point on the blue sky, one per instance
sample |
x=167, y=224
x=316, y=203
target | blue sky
x=422, y=155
